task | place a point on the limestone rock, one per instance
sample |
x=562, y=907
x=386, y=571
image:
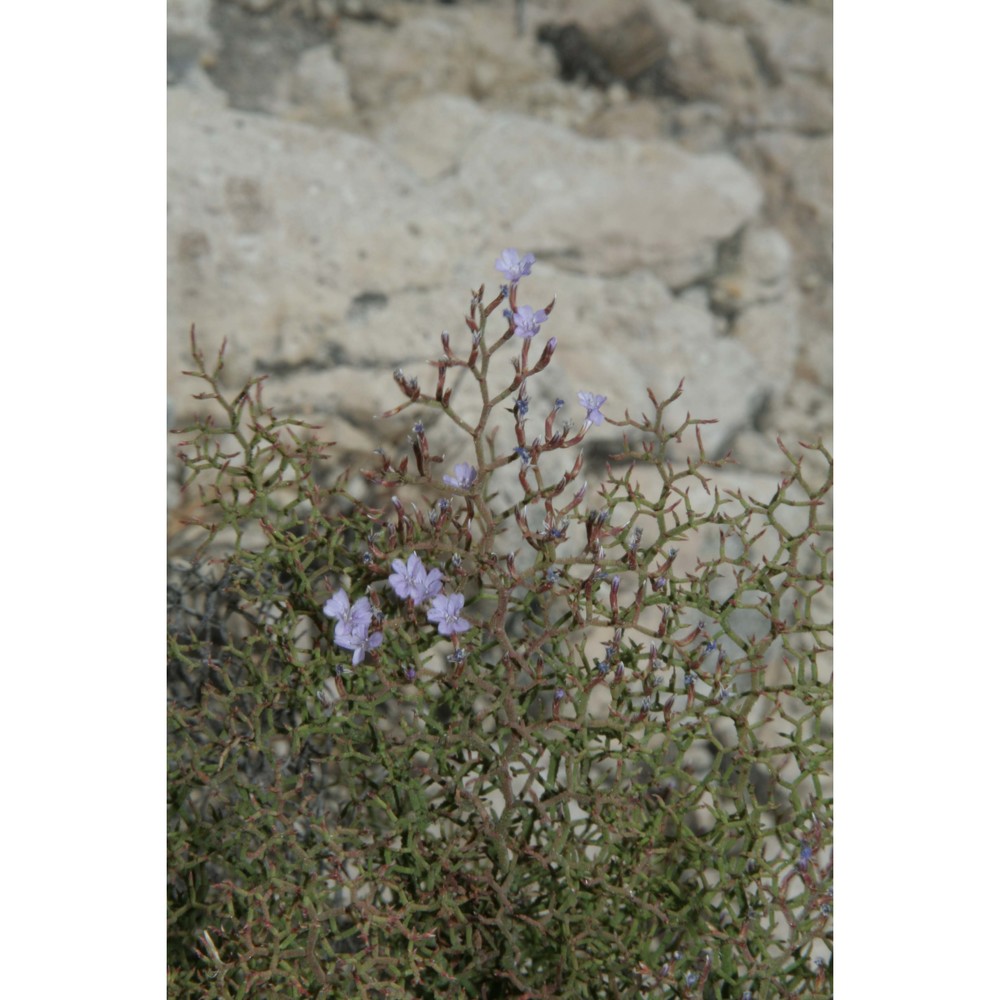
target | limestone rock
x=315, y=90
x=190, y=38
x=760, y=270
x=431, y=134
x=770, y=332
x=798, y=174
x=190, y=17
x=474, y=51
x=607, y=207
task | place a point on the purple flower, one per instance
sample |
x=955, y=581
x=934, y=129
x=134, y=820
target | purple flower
x=446, y=611
x=359, y=640
x=592, y=403
x=428, y=585
x=353, y=617
x=412, y=579
x=359, y=617
x=465, y=476
x=338, y=606
x=353, y=622
x=513, y=267
x=404, y=580
x=527, y=321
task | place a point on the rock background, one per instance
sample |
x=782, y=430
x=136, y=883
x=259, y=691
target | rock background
x=342, y=173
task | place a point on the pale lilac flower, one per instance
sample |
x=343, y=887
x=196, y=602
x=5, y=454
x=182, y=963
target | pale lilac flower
x=412, y=579
x=446, y=611
x=407, y=576
x=338, y=606
x=427, y=585
x=353, y=622
x=358, y=639
x=527, y=321
x=592, y=404
x=358, y=618
x=465, y=476
x=513, y=267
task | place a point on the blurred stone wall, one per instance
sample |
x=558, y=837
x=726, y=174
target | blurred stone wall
x=341, y=174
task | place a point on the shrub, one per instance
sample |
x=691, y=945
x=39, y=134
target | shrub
x=461, y=728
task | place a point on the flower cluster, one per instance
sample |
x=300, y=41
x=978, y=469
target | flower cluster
x=353, y=625
x=412, y=580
